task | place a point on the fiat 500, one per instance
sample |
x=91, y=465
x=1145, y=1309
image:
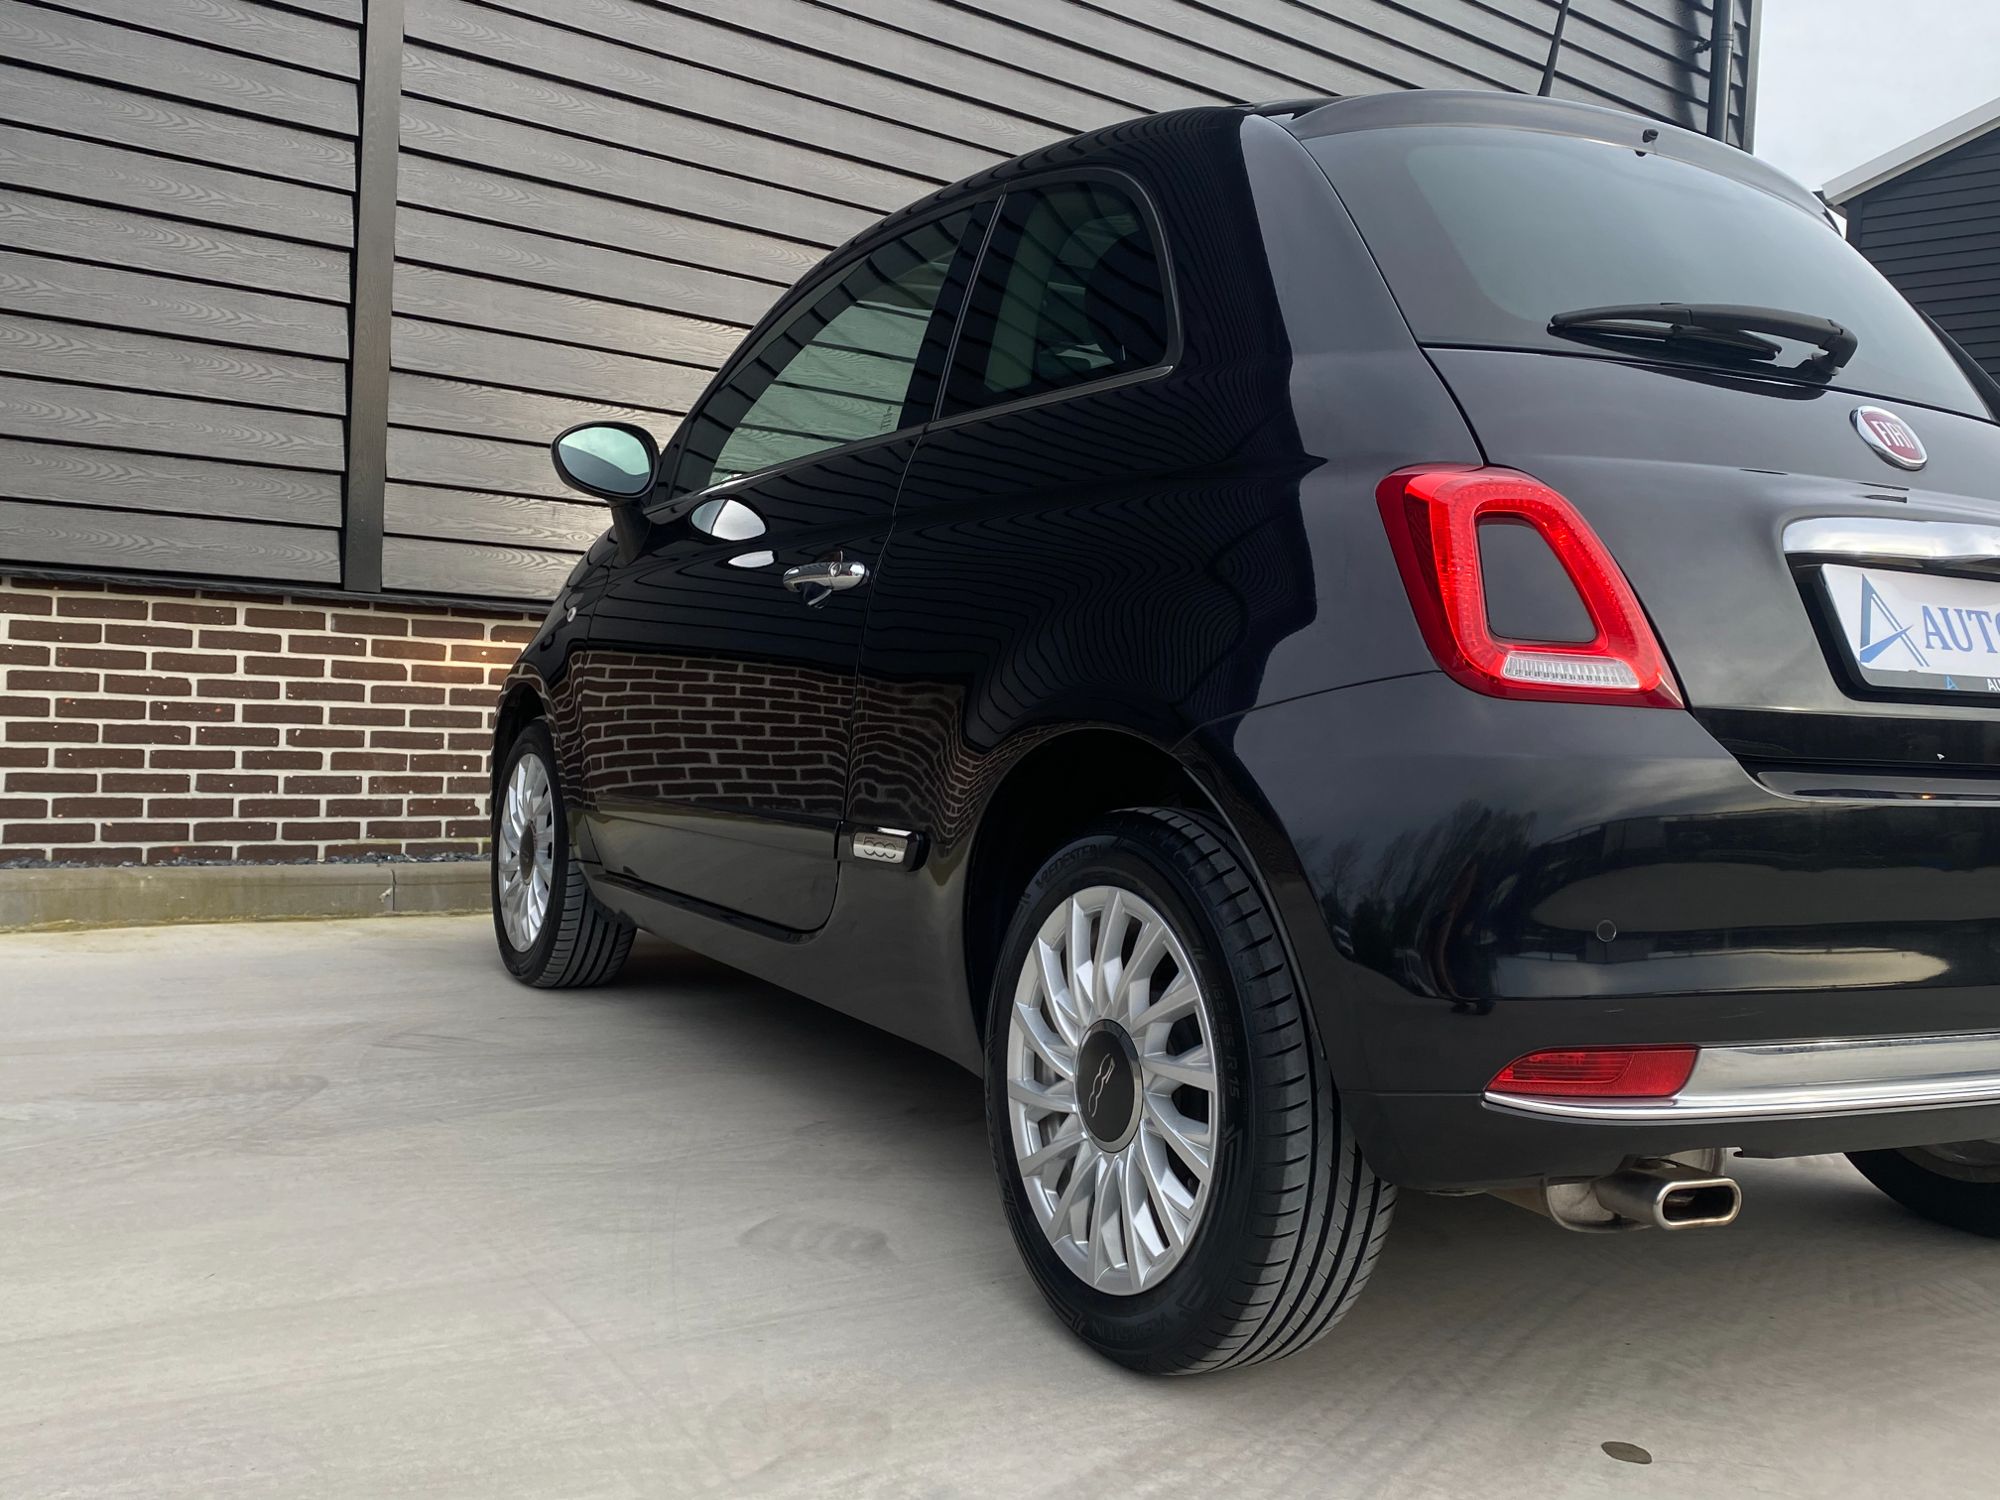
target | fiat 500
x=1427, y=642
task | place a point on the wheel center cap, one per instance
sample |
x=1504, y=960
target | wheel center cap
x=1107, y=1085
x=528, y=849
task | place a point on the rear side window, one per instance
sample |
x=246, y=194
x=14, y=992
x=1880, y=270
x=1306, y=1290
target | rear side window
x=1070, y=291
x=1485, y=234
x=857, y=361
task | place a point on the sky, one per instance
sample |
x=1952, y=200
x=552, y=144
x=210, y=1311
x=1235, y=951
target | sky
x=1843, y=81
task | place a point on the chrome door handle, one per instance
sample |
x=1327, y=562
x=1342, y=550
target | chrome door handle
x=818, y=581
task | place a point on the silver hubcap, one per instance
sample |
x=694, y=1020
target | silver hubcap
x=524, y=853
x=1112, y=1098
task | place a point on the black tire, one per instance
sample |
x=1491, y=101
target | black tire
x=582, y=942
x=1961, y=1194
x=1296, y=1216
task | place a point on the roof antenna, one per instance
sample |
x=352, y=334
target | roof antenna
x=1555, y=50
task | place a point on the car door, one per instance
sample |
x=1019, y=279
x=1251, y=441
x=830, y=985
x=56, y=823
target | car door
x=718, y=682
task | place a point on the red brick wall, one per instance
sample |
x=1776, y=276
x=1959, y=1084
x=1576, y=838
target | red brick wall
x=153, y=725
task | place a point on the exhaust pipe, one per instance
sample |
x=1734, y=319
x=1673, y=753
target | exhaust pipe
x=1657, y=1193
x=1668, y=1195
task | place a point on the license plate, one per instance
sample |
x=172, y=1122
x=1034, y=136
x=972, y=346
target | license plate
x=1918, y=632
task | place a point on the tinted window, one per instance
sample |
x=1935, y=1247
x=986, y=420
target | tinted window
x=1484, y=234
x=1070, y=291
x=847, y=365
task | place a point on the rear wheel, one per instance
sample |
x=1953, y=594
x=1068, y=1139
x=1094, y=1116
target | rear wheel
x=1956, y=1185
x=1172, y=1158
x=553, y=932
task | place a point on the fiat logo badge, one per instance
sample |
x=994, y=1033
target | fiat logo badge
x=1890, y=436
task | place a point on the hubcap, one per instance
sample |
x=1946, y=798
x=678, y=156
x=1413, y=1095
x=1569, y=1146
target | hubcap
x=524, y=852
x=1112, y=1098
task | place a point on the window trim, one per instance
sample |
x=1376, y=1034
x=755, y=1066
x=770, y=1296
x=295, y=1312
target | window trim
x=1168, y=362
x=800, y=296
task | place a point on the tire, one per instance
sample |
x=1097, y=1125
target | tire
x=576, y=941
x=1957, y=1185
x=1285, y=1228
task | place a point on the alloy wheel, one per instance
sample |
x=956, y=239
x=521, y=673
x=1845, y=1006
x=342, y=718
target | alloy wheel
x=1113, y=1100
x=524, y=851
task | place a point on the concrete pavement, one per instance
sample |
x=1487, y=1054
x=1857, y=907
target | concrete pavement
x=317, y=1209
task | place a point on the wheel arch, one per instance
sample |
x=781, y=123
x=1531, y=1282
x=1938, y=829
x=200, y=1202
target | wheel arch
x=1047, y=796
x=521, y=704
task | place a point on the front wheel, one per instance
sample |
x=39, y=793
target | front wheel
x=1956, y=1185
x=553, y=933
x=1172, y=1158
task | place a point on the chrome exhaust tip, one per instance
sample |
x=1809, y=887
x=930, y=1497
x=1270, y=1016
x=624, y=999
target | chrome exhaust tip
x=1656, y=1193
x=1668, y=1195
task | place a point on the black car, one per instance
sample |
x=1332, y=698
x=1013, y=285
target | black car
x=1435, y=641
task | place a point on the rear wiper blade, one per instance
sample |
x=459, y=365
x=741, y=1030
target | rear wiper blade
x=1715, y=326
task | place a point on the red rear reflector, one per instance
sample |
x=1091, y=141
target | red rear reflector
x=1433, y=518
x=1599, y=1073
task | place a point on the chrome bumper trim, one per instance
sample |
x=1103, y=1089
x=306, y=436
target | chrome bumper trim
x=1801, y=1080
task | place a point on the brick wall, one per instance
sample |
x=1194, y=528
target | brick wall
x=154, y=725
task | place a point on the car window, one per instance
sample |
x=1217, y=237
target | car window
x=1070, y=291
x=848, y=364
x=1485, y=234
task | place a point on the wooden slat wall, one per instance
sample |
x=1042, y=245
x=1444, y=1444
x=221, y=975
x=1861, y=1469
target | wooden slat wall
x=1935, y=232
x=595, y=198
x=176, y=209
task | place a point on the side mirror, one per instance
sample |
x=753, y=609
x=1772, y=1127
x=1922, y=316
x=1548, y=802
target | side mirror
x=614, y=461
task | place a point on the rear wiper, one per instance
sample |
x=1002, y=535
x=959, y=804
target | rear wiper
x=1714, y=327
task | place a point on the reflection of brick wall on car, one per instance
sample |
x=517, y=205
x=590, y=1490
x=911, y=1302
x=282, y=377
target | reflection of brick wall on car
x=714, y=731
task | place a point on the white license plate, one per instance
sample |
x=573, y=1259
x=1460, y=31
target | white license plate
x=1918, y=631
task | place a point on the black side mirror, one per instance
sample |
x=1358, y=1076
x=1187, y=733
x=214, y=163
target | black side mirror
x=613, y=461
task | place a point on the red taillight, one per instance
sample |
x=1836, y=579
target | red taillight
x=1599, y=1073
x=1433, y=517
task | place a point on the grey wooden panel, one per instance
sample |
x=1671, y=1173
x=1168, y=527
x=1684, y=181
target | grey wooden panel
x=454, y=188
x=555, y=369
x=139, y=242
x=334, y=10
x=118, y=542
x=424, y=566
x=100, y=294
x=856, y=75
x=588, y=270
x=644, y=124
x=78, y=106
x=109, y=479
x=177, y=69
x=999, y=59
x=515, y=40
x=165, y=424
x=179, y=189
x=118, y=357
x=474, y=463
x=614, y=172
x=497, y=411
x=531, y=312
x=507, y=520
x=1088, y=29
x=258, y=30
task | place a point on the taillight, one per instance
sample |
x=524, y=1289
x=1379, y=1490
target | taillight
x=1434, y=516
x=1598, y=1073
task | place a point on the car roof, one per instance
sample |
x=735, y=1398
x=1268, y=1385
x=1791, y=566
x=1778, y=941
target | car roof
x=1320, y=116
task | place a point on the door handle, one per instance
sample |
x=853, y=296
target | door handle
x=817, y=582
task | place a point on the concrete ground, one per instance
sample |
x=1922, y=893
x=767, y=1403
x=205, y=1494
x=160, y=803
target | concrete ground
x=337, y=1209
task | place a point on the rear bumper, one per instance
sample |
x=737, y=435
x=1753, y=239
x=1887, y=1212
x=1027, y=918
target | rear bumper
x=1477, y=879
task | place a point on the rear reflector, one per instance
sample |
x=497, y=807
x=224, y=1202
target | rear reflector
x=1599, y=1073
x=1433, y=518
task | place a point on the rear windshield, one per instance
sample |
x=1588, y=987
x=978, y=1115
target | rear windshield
x=1484, y=234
